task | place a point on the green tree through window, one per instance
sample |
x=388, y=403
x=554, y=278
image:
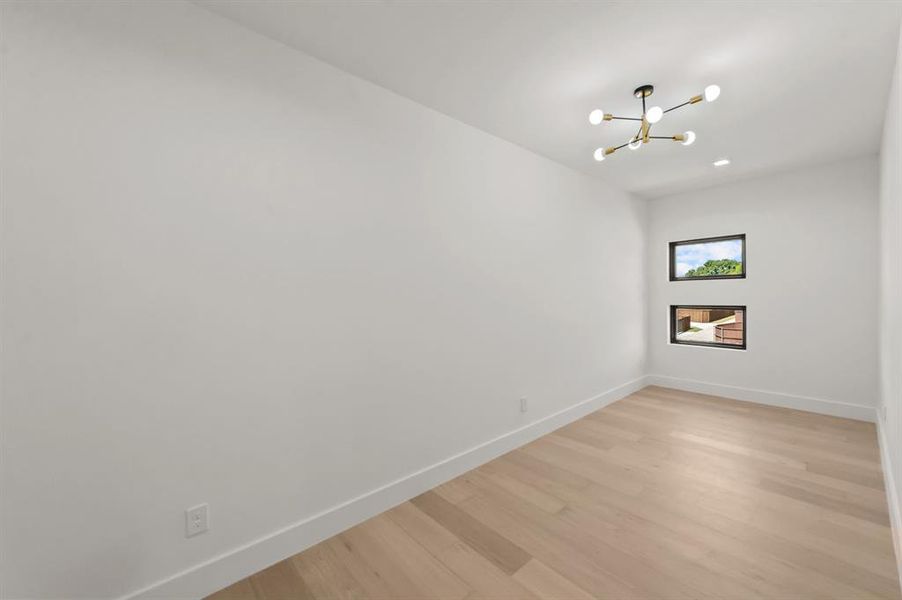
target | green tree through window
x=716, y=267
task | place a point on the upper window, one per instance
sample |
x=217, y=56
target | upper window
x=708, y=258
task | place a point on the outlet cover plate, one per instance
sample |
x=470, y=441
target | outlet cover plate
x=197, y=520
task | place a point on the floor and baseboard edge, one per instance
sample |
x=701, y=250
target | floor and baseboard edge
x=220, y=571
x=893, y=500
x=815, y=405
x=223, y=570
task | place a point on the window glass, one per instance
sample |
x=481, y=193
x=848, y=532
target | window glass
x=719, y=326
x=708, y=258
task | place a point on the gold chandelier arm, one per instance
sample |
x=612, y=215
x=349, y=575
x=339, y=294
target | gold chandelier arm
x=711, y=93
x=690, y=101
x=613, y=149
x=677, y=138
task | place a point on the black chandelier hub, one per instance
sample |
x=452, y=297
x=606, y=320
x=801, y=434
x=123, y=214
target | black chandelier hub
x=644, y=91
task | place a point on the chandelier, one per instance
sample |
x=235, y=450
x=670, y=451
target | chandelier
x=649, y=117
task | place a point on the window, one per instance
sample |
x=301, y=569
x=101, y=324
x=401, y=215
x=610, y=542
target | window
x=708, y=258
x=715, y=326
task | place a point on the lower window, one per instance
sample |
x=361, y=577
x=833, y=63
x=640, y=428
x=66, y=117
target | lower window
x=716, y=326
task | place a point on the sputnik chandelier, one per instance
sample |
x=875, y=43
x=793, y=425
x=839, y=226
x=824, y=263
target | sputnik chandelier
x=649, y=117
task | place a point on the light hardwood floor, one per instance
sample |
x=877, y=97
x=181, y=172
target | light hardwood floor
x=664, y=494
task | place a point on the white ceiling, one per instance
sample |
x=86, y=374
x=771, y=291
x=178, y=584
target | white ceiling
x=802, y=82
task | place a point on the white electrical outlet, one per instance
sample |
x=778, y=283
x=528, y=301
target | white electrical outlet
x=523, y=405
x=197, y=519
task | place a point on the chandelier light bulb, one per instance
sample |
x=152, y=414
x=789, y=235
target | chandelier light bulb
x=596, y=116
x=712, y=92
x=688, y=138
x=598, y=154
x=635, y=144
x=654, y=114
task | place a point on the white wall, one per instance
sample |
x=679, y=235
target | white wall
x=811, y=289
x=233, y=274
x=891, y=300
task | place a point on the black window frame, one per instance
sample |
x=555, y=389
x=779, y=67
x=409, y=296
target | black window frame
x=720, y=238
x=745, y=321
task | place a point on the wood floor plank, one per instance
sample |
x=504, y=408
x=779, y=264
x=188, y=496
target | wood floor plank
x=456, y=490
x=544, y=474
x=548, y=584
x=605, y=432
x=792, y=441
x=349, y=556
x=280, y=582
x=850, y=508
x=406, y=567
x=569, y=459
x=597, y=540
x=523, y=489
x=326, y=575
x=662, y=495
x=854, y=538
x=871, y=478
x=573, y=561
x=693, y=521
x=243, y=590
x=505, y=554
x=481, y=574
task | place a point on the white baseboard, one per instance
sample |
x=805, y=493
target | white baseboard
x=223, y=570
x=815, y=405
x=892, y=494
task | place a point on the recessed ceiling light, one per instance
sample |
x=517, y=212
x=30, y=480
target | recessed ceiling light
x=722, y=162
